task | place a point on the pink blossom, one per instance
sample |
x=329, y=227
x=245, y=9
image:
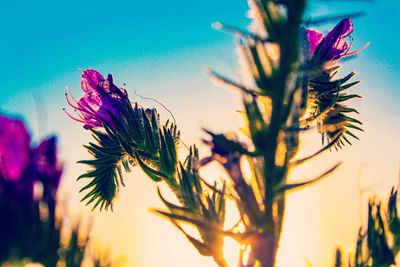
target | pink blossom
x=102, y=100
x=333, y=46
x=14, y=148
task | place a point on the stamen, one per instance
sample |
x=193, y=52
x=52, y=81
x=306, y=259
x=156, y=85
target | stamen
x=69, y=102
x=72, y=117
x=80, y=115
x=73, y=98
x=357, y=51
x=89, y=109
x=91, y=114
x=79, y=107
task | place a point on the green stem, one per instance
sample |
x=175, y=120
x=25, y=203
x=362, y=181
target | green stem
x=265, y=247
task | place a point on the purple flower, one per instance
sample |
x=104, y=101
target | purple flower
x=15, y=160
x=14, y=148
x=46, y=166
x=333, y=46
x=101, y=99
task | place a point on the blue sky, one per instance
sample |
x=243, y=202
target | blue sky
x=43, y=41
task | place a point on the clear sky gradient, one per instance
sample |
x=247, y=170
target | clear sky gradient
x=161, y=49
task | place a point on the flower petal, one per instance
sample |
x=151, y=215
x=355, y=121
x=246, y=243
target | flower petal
x=342, y=29
x=314, y=39
x=90, y=79
x=333, y=45
x=14, y=148
x=46, y=164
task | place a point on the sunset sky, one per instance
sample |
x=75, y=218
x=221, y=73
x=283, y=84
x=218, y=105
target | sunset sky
x=162, y=49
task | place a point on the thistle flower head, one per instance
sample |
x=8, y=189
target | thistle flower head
x=333, y=46
x=102, y=100
x=14, y=148
x=327, y=94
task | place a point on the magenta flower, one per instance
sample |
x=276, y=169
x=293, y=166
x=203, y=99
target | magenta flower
x=333, y=46
x=102, y=100
x=46, y=165
x=14, y=148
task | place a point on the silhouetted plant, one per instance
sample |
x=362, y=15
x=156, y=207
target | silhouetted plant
x=378, y=245
x=292, y=86
x=30, y=229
